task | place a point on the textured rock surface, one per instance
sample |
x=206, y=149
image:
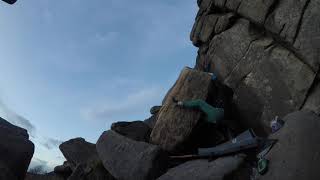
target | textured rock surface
x=297, y=153
x=313, y=101
x=16, y=151
x=308, y=36
x=136, y=130
x=174, y=124
x=204, y=170
x=126, y=159
x=268, y=54
x=255, y=10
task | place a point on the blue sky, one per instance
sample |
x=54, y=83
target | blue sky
x=71, y=68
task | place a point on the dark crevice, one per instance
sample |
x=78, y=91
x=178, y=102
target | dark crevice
x=238, y=6
x=242, y=79
x=242, y=57
x=300, y=21
x=271, y=9
x=268, y=47
x=279, y=40
x=282, y=28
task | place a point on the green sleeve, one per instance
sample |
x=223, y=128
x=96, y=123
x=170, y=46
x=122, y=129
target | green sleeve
x=213, y=114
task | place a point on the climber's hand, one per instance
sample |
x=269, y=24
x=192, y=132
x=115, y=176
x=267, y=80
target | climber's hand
x=180, y=103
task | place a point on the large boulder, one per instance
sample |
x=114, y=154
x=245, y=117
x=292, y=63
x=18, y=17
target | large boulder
x=296, y=155
x=79, y=151
x=136, y=130
x=16, y=151
x=203, y=169
x=127, y=159
x=268, y=79
x=174, y=124
x=268, y=53
x=83, y=159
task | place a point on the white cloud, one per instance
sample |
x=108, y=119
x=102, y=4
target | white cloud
x=51, y=143
x=17, y=119
x=132, y=104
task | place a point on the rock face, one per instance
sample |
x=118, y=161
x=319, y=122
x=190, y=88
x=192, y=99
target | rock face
x=296, y=154
x=16, y=151
x=136, y=130
x=267, y=53
x=204, y=170
x=126, y=159
x=174, y=125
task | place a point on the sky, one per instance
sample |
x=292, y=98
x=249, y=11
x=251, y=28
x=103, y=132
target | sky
x=71, y=68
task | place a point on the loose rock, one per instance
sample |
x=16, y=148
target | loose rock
x=174, y=124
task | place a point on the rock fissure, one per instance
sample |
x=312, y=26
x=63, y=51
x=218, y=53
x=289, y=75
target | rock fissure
x=300, y=20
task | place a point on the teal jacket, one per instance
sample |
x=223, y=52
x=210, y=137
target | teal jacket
x=213, y=114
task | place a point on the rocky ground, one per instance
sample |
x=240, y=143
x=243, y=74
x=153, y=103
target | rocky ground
x=265, y=54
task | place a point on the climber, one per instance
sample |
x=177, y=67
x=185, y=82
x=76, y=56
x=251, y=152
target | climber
x=213, y=115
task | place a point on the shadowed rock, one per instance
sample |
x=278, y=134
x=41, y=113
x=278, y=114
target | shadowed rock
x=136, y=130
x=16, y=151
x=296, y=155
x=49, y=176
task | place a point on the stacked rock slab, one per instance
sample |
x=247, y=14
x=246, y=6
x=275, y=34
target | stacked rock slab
x=127, y=159
x=15, y=151
x=296, y=155
x=174, y=124
x=268, y=53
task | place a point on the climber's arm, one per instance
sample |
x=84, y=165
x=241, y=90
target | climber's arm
x=213, y=114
